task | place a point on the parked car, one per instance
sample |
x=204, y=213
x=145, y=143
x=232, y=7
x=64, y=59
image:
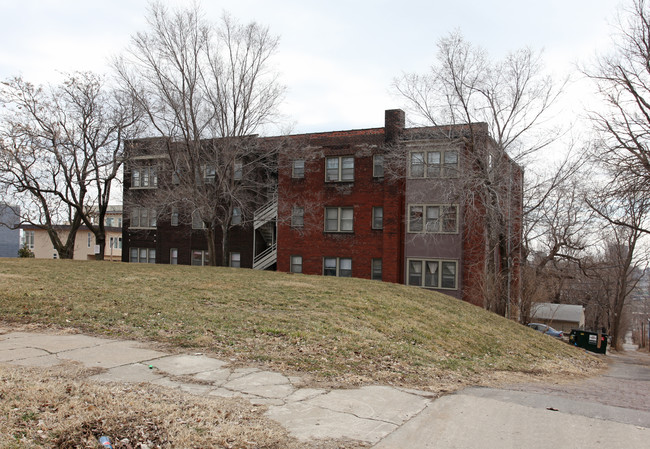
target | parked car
x=545, y=329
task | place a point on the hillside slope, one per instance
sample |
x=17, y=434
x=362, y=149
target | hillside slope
x=337, y=330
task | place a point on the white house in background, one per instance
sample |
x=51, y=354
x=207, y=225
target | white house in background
x=38, y=240
x=563, y=317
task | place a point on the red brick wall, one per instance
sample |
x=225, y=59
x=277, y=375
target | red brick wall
x=314, y=194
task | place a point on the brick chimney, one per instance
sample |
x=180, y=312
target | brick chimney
x=394, y=123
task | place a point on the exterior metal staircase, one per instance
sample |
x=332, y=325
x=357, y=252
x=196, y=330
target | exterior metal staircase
x=265, y=223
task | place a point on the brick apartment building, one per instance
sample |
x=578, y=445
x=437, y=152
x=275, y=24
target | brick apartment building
x=380, y=203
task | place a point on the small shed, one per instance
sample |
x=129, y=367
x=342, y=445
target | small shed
x=562, y=317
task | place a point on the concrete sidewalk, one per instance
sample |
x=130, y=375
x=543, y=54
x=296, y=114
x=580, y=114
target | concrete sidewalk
x=386, y=417
x=366, y=414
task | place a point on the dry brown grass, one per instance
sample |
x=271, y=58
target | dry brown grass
x=58, y=408
x=332, y=330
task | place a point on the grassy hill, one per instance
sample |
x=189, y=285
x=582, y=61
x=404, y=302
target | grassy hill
x=337, y=330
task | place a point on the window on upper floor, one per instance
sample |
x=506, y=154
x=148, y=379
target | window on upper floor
x=377, y=218
x=298, y=168
x=433, y=163
x=297, y=217
x=339, y=169
x=433, y=273
x=433, y=218
x=197, y=221
x=142, y=255
x=238, y=170
x=209, y=174
x=174, y=216
x=378, y=166
x=339, y=219
x=337, y=266
x=144, y=177
x=143, y=217
x=236, y=216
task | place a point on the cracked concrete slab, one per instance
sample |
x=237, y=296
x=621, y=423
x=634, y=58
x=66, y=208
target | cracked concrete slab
x=181, y=365
x=112, y=354
x=134, y=373
x=374, y=402
x=15, y=354
x=53, y=343
x=196, y=389
x=263, y=383
x=307, y=421
x=217, y=377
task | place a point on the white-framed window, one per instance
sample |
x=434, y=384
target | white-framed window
x=173, y=256
x=119, y=242
x=174, y=216
x=297, y=217
x=428, y=273
x=339, y=219
x=339, y=169
x=378, y=217
x=337, y=266
x=378, y=166
x=200, y=257
x=108, y=222
x=375, y=273
x=90, y=240
x=235, y=260
x=142, y=255
x=197, y=221
x=28, y=239
x=433, y=218
x=236, y=216
x=296, y=264
x=143, y=217
x=433, y=163
x=144, y=177
x=119, y=222
x=238, y=170
x=209, y=174
x=298, y=168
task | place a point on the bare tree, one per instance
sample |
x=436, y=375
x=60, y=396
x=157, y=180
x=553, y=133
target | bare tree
x=622, y=78
x=61, y=153
x=557, y=230
x=207, y=88
x=511, y=98
x=623, y=256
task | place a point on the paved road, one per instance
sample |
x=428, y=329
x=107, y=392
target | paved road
x=609, y=411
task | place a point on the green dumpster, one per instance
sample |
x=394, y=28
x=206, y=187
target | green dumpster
x=591, y=341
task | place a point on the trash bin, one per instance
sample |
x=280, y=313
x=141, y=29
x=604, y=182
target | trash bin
x=591, y=341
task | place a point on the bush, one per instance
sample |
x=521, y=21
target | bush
x=25, y=252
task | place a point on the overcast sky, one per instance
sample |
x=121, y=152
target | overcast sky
x=337, y=58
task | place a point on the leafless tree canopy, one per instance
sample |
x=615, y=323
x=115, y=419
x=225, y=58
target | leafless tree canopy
x=61, y=152
x=509, y=98
x=207, y=88
x=622, y=78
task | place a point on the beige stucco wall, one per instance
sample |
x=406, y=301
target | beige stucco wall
x=43, y=248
